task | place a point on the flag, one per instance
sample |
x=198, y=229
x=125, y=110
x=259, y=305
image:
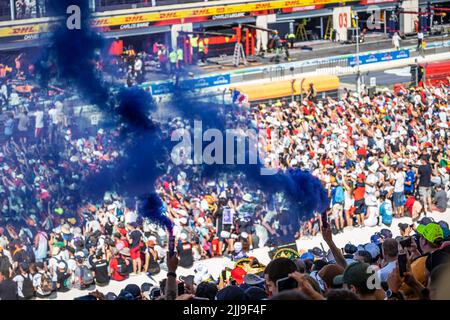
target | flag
x=239, y=98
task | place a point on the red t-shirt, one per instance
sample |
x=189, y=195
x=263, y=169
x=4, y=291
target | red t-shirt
x=362, y=151
x=358, y=193
x=409, y=204
x=115, y=275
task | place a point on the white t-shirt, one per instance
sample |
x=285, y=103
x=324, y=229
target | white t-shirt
x=39, y=119
x=386, y=271
x=54, y=115
x=372, y=179
x=399, y=181
x=443, y=116
x=130, y=217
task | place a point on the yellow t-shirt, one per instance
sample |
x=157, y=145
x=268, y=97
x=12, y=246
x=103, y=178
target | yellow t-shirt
x=418, y=271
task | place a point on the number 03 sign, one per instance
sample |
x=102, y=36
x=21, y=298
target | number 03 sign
x=341, y=22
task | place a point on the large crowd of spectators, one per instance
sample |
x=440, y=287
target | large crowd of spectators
x=380, y=157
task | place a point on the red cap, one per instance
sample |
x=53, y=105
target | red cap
x=362, y=176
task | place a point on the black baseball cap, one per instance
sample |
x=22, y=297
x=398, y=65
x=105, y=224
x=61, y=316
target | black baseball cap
x=134, y=290
x=350, y=248
x=425, y=221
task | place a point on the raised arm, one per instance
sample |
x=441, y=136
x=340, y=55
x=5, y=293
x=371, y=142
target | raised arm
x=171, y=283
x=337, y=254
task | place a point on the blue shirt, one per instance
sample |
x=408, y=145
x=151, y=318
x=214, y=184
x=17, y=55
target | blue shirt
x=410, y=177
x=386, y=212
x=337, y=195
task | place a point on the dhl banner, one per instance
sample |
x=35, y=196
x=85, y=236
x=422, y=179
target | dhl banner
x=34, y=29
x=210, y=11
x=23, y=30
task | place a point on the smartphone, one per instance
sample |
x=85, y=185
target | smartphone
x=405, y=242
x=325, y=219
x=171, y=245
x=180, y=288
x=402, y=264
x=286, y=284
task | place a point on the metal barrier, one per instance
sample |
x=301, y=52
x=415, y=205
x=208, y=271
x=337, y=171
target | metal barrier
x=276, y=73
x=334, y=67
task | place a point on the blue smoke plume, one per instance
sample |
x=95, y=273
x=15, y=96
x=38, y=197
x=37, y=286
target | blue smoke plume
x=74, y=53
x=305, y=192
x=71, y=58
x=152, y=207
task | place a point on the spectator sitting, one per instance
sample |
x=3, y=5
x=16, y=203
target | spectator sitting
x=440, y=199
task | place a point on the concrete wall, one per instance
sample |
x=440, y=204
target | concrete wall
x=407, y=20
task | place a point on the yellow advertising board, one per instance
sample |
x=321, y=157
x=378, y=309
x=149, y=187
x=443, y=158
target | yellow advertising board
x=207, y=11
x=23, y=30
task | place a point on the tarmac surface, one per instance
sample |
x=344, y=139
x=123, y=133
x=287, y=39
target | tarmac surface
x=320, y=49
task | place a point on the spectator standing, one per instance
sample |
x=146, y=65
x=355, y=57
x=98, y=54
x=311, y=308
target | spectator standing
x=134, y=237
x=424, y=183
x=410, y=179
x=371, y=219
x=23, y=125
x=40, y=245
x=359, y=198
x=9, y=127
x=399, y=198
x=39, y=123
x=55, y=115
x=337, y=201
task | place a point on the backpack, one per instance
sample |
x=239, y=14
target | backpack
x=339, y=195
x=386, y=213
x=27, y=287
x=87, y=276
x=122, y=268
x=46, y=284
